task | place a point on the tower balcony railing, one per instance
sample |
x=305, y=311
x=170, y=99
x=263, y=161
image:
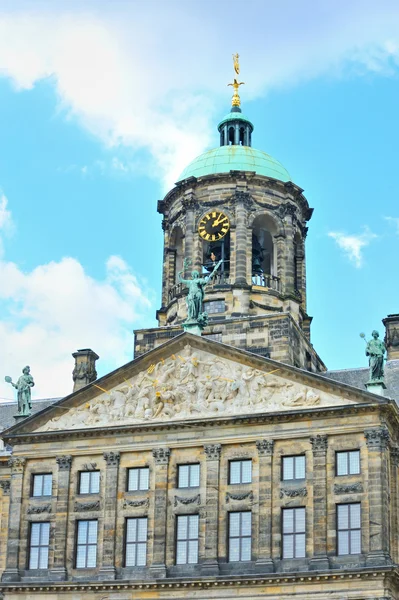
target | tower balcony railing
x=266, y=280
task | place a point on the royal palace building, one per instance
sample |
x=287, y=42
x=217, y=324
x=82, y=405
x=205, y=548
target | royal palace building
x=224, y=461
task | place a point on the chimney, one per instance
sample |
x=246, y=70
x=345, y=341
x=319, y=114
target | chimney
x=84, y=371
x=391, y=323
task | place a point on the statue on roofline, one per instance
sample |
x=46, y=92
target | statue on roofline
x=196, y=293
x=23, y=386
x=375, y=350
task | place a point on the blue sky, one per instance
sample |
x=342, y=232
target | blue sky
x=103, y=104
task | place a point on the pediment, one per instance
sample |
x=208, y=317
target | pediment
x=196, y=380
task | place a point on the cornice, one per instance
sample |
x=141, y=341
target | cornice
x=203, y=583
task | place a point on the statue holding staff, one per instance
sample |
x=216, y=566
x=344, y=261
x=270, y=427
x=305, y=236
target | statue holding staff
x=23, y=387
x=375, y=350
x=196, y=291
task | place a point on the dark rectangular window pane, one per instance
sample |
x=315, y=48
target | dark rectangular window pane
x=187, y=528
x=240, y=471
x=136, y=542
x=39, y=545
x=240, y=536
x=86, y=547
x=188, y=476
x=138, y=479
x=349, y=529
x=294, y=532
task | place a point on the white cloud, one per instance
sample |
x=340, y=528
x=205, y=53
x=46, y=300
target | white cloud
x=353, y=245
x=394, y=221
x=49, y=311
x=147, y=75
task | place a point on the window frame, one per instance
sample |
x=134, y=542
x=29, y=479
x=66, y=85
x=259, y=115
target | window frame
x=349, y=530
x=284, y=510
x=139, y=469
x=86, y=545
x=39, y=546
x=135, y=544
x=294, y=456
x=240, y=460
x=187, y=539
x=89, y=493
x=239, y=537
x=32, y=487
x=347, y=452
x=189, y=465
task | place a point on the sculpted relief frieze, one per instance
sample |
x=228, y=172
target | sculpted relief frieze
x=191, y=385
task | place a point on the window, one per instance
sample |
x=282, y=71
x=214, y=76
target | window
x=86, y=545
x=136, y=542
x=294, y=542
x=349, y=530
x=240, y=536
x=294, y=467
x=188, y=476
x=240, y=471
x=348, y=463
x=187, y=539
x=38, y=545
x=89, y=482
x=138, y=479
x=42, y=485
x=215, y=306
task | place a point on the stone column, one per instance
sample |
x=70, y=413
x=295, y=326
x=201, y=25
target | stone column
x=210, y=566
x=394, y=504
x=107, y=569
x=289, y=287
x=319, y=447
x=241, y=239
x=59, y=571
x=85, y=368
x=5, y=485
x=280, y=250
x=161, y=458
x=264, y=562
x=11, y=572
x=377, y=440
x=189, y=204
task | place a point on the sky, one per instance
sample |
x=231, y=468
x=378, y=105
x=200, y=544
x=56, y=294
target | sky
x=102, y=105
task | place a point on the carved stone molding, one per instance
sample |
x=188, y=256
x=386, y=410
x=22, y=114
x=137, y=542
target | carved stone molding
x=377, y=438
x=193, y=500
x=36, y=510
x=351, y=488
x=92, y=466
x=83, y=506
x=319, y=444
x=161, y=455
x=16, y=464
x=5, y=485
x=244, y=198
x=213, y=451
x=64, y=462
x=239, y=497
x=136, y=503
x=112, y=458
x=265, y=447
x=395, y=455
x=298, y=493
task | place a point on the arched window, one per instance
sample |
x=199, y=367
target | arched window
x=263, y=252
x=212, y=253
x=242, y=136
x=177, y=252
x=231, y=135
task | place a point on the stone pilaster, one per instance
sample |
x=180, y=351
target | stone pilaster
x=107, y=569
x=161, y=461
x=264, y=562
x=289, y=261
x=241, y=278
x=377, y=440
x=394, y=537
x=189, y=204
x=59, y=570
x=11, y=572
x=319, y=448
x=210, y=566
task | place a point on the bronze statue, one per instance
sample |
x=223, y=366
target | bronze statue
x=23, y=387
x=375, y=350
x=196, y=292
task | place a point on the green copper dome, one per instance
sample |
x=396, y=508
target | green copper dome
x=235, y=158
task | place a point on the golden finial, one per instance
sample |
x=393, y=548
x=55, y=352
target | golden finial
x=235, y=101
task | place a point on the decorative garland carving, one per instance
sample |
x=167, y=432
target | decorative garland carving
x=212, y=451
x=83, y=506
x=136, y=503
x=112, y=458
x=36, y=510
x=64, y=462
x=377, y=438
x=265, y=447
x=161, y=455
x=17, y=464
x=298, y=493
x=193, y=500
x=319, y=444
x=5, y=485
x=352, y=488
x=239, y=497
x=92, y=466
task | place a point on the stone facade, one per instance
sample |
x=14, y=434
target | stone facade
x=355, y=421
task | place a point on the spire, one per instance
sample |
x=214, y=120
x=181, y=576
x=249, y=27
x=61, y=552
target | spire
x=235, y=129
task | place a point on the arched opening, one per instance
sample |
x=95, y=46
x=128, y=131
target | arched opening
x=242, y=136
x=231, y=135
x=212, y=253
x=264, y=260
x=177, y=254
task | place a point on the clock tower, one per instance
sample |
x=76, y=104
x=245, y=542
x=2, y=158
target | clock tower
x=238, y=205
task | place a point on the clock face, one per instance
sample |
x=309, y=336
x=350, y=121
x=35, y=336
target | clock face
x=213, y=226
